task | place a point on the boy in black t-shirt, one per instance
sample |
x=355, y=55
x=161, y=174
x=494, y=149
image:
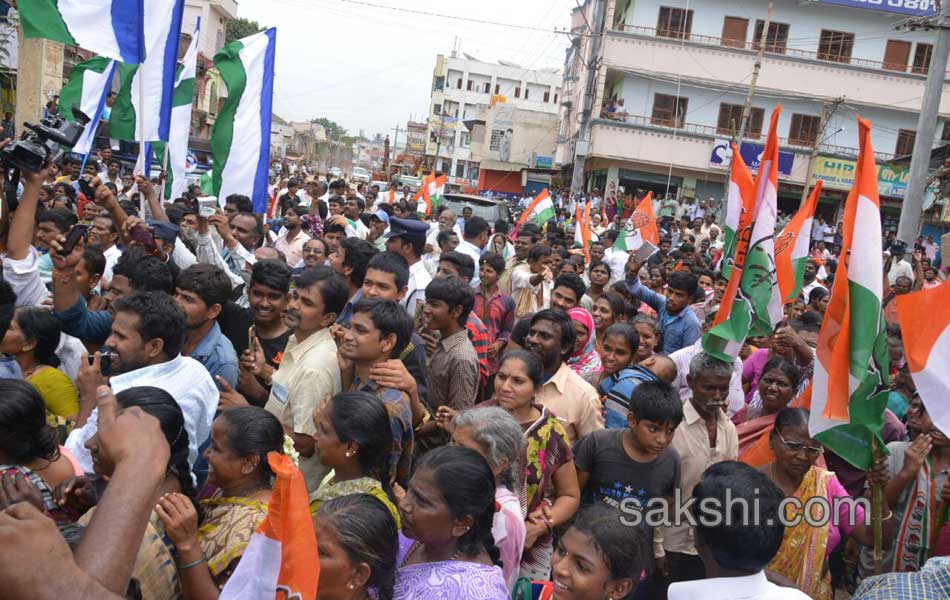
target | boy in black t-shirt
x=636, y=462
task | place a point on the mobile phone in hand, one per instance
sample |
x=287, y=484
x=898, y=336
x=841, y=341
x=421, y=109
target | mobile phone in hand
x=78, y=232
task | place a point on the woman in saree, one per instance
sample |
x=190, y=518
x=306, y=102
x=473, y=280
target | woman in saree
x=610, y=308
x=354, y=438
x=209, y=547
x=776, y=388
x=32, y=339
x=585, y=361
x=446, y=548
x=803, y=556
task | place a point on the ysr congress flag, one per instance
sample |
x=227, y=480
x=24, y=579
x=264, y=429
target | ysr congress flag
x=143, y=106
x=111, y=28
x=175, y=180
x=240, y=139
x=87, y=88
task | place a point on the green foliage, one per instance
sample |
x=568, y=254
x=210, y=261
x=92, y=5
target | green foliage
x=241, y=28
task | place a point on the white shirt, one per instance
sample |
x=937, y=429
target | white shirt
x=419, y=278
x=751, y=587
x=900, y=268
x=470, y=249
x=806, y=290
x=682, y=358
x=112, y=256
x=617, y=261
x=185, y=379
x=24, y=277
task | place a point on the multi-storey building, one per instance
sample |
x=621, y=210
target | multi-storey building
x=461, y=89
x=214, y=15
x=673, y=75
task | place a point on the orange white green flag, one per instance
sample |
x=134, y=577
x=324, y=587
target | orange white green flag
x=433, y=192
x=925, y=327
x=791, y=248
x=540, y=211
x=281, y=559
x=739, y=205
x=752, y=303
x=851, y=364
x=640, y=227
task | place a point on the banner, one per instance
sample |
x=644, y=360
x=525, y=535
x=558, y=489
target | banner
x=751, y=155
x=838, y=174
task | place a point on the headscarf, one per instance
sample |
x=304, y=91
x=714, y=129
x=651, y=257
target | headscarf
x=586, y=361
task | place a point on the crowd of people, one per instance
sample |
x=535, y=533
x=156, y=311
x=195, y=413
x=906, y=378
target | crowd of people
x=479, y=412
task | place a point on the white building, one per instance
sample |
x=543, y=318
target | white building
x=682, y=69
x=461, y=89
x=215, y=15
x=281, y=137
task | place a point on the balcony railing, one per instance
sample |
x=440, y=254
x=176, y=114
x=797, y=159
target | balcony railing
x=773, y=49
x=710, y=131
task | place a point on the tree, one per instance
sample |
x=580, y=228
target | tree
x=334, y=131
x=241, y=28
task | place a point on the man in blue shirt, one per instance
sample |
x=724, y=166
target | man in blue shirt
x=678, y=323
x=201, y=291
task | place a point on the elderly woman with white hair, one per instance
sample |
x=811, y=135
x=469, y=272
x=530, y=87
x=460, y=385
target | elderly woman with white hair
x=498, y=437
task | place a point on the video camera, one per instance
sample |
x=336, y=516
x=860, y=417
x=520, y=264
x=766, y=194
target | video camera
x=42, y=146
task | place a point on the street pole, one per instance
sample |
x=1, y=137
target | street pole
x=911, y=212
x=593, y=65
x=747, y=107
x=822, y=124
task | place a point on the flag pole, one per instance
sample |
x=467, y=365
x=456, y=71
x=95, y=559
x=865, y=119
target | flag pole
x=141, y=122
x=83, y=167
x=877, y=499
x=165, y=169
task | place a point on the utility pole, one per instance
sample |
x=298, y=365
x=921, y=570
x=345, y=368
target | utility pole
x=582, y=149
x=822, y=124
x=747, y=108
x=923, y=142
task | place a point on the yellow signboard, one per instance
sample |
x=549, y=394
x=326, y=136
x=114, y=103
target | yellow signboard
x=838, y=174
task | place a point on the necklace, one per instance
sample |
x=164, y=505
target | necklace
x=416, y=545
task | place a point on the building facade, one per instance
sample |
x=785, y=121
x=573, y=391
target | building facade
x=214, y=15
x=674, y=74
x=462, y=88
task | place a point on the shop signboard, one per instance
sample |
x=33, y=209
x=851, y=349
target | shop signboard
x=917, y=8
x=838, y=174
x=751, y=154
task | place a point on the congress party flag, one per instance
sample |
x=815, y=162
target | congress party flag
x=88, y=85
x=739, y=205
x=640, y=227
x=175, y=174
x=540, y=211
x=281, y=559
x=240, y=140
x=752, y=302
x=432, y=190
x=110, y=28
x=143, y=105
x=925, y=327
x=851, y=364
x=791, y=248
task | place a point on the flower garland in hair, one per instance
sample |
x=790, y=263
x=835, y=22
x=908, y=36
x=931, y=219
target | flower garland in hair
x=290, y=451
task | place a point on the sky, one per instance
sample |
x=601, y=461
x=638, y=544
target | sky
x=371, y=68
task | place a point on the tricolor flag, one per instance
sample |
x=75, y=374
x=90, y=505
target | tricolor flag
x=89, y=84
x=432, y=192
x=752, y=302
x=111, y=28
x=281, y=559
x=739, y=205
x=240, y=139
x=851, y=365
x=143, y=105
x=175, y=180
x=420, y=195
x=791, y=248
x=640, y=227
x=540, y=211
x=925, y=326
